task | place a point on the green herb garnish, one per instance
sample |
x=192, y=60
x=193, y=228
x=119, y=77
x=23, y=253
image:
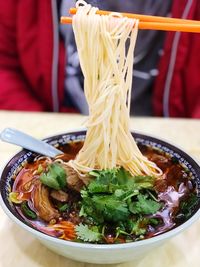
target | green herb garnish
x=143, y=205
x=64, y=207
x=115, y=197
x=55, y=177
x=27, y=211
x=87, y=234
x=107, y=181
x=110, y=208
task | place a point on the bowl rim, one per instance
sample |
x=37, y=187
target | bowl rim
x=46, y=237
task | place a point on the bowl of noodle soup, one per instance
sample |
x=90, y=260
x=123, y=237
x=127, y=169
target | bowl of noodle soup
x=180, y=183
x=112, y=195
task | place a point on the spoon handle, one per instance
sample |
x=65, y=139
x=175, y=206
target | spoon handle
x=18, y=138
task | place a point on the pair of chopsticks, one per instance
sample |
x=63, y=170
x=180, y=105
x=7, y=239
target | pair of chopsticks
x=150, y=22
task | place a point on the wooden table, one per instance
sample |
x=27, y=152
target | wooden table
x=19, y=249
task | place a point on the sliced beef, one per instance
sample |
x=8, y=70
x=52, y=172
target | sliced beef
x=59, y=195
x=74, y=180
x=42, y=204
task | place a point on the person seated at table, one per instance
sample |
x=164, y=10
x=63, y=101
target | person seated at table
x=39, y=66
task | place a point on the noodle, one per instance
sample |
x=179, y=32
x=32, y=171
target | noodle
x=106, y=45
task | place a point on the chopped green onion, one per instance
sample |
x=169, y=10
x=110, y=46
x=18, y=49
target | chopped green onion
x=64, y=207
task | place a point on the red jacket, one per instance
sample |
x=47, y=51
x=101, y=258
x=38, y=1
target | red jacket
x=31, y=75
x=32, y=66
x=177, y=88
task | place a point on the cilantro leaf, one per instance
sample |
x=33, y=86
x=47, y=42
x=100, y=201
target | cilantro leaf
x=98, y=187
x=105, y=176
x=123, y=176
x=88, y=234
x=119, y=193
x=104, y=208
x=105, y=181
x=137, y=227
x=55, y=177
x=59, y=173
x=49, y=180
x=144, y=205
x=112, y=209
x=88, y=209
x=125, y=195
x=144, y=182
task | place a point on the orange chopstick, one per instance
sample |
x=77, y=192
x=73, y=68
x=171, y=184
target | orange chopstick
x=147, y=25
x=144, y=18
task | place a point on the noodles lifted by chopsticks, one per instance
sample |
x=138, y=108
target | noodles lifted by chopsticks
x=106, y=46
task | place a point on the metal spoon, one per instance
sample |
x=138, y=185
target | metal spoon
x=18, y=138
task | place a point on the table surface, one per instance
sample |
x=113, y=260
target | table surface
x=18, y=248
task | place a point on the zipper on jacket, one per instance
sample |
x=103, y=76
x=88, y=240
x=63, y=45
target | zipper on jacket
x=54, y=71
x=172, y=62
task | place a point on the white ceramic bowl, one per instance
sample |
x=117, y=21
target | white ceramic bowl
x=91, y=253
